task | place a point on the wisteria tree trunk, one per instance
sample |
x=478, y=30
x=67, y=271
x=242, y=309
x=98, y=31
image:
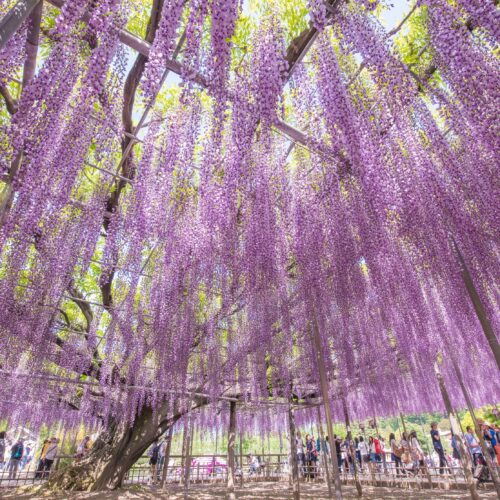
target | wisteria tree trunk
x=115, y=451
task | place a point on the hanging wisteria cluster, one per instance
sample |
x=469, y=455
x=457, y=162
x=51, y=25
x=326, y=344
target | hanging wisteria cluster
x=228, y=248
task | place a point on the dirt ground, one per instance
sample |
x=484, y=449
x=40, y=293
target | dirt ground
x=261, y=491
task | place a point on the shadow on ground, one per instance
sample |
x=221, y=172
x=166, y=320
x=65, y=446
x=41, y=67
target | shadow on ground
x=260, y=491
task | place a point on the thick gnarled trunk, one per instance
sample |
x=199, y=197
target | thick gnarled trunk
x=116, y=450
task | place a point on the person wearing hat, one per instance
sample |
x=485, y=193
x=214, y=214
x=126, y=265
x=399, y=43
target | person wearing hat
x=50, y=456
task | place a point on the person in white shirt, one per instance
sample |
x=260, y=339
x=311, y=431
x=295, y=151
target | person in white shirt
x=301, y=457
x=363, y=451
x=417, y=454
x=396, y=452
x=473, y=445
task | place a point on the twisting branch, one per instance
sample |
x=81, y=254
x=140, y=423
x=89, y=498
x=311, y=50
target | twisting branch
x=10, y=103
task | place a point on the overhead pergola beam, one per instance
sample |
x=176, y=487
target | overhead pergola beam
x=11, y=22
x=144, y=47
x=300, y=46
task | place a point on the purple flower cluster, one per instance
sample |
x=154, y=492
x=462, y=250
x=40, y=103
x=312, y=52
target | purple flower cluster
x=226, y=249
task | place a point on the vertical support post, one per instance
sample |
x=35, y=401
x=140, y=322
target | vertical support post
x=359, y=489
x=231, y=437
x=293, y=455
x=376, y=426
x=241, y=459
x=324, y=454
x=167, y=457
x=326, y=403
x=403, y=422
x=470, y=407
x=183, y=452
x=32, y=41
x=481, y=313
x=11, y=22
x=187, y=469
x=464, y=455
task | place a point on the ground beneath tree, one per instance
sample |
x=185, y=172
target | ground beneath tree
x=257, y=490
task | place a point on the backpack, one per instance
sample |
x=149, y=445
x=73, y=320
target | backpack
x=17, y=453
x=155, y=452
x=378, y=449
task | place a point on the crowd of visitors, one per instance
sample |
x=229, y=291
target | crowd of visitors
x=404, y=456
x=17, y=454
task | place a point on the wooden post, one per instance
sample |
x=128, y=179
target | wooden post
x=323, y=454
x=481, y=313
x=464, y=455
x=359, y=489
x=403, y=422
x=187, y=470
x=326, y=402
x=11, y=22
x=183, y=452
x=167, y=457
x=293, y=455
x=241, y=459
x=487, y=457
x=376, y=426
x=230, y=451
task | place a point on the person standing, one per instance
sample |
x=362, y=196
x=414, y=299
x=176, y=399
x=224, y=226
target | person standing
x=41, y=458
x=338, y=450
x=438, y=447
x=358, y=453
x=154, y=453
x=490, y=440
x=301, y=458
x=383, y=457
x=311, y=457
x=3, y=446
x=396, y=453
x=496, y=429
x=473, y=445
x=363, y=451
x=417, y=453
x=83, y=448
x=50, y=456
x=16, y=453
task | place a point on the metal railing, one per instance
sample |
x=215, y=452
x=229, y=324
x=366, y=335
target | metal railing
x=272, y=467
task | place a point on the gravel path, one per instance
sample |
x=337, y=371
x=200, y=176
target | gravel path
x=257, y=490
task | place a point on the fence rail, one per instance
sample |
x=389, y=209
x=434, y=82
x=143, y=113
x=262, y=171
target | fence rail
x=273, y=467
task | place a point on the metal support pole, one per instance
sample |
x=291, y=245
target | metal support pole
x=293, y=455
x=470, y=407
x=464, y=455
x=11, y=22
x=32, y=41
x=324, y=453
x=230, y=451
x=359, y=489
x=326, y=403
x=403, y=422
x=241, y=459
x=481, y=313
x=167, y=457
x=187, y=463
